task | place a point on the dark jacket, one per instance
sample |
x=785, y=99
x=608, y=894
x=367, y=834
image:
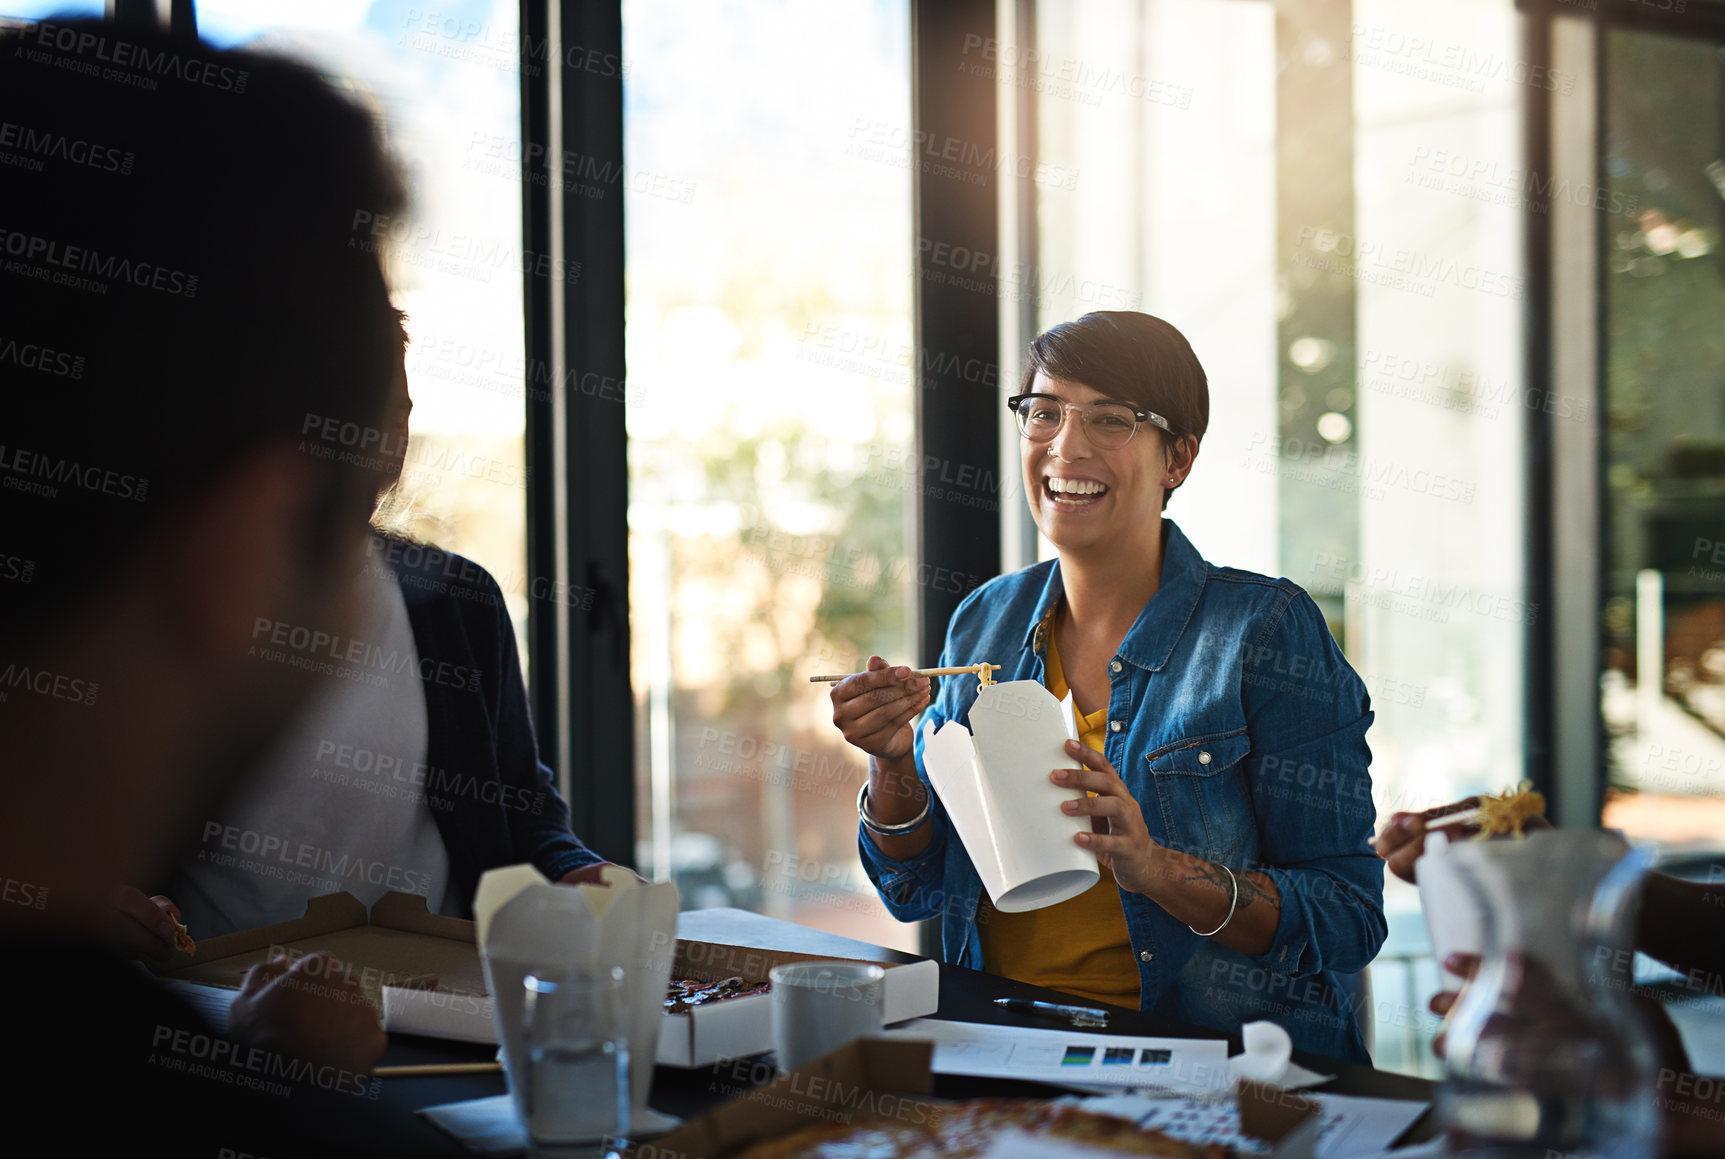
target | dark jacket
x=494, y=800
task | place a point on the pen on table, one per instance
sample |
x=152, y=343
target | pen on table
x=1074, y=1014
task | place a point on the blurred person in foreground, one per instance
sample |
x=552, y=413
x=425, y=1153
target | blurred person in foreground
x=179, y=291
x=1678, y=924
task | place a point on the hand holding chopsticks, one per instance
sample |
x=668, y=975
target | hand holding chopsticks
x=874, y=709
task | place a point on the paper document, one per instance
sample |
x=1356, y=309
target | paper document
x=1067, y=1057
x=1352, y=1127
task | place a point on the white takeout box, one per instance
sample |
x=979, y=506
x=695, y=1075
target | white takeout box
x=993, y=781
x=525, y=922
x=1454, y=921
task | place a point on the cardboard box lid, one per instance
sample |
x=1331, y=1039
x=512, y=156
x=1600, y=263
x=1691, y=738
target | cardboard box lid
x=848, y=1080
x=399, y=940
x=1279, y=1116
x=863, y=1075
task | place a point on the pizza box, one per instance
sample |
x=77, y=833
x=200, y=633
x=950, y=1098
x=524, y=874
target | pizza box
x=892, y=1077
x=739, y=1027
x=401, y=941
x=421, y=969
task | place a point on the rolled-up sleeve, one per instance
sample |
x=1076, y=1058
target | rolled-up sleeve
x=1310, y=775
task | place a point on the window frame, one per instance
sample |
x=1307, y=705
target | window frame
x=576, y=443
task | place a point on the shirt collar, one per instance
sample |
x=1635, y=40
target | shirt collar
x=1162, y=622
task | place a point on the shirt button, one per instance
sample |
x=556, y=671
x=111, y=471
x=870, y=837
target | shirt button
x=1203, y=758
x=1114, y=726
x=1146, y=956
x=1116, y=666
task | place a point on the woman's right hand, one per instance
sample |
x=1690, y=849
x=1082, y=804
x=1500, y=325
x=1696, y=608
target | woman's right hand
x=874, y=709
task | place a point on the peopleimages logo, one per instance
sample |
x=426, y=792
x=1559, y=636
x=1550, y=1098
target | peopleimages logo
x=73, y=260
x=461, y=254
x=40, y=474
x=110, y=58
x=321, y=651
x=42, y=682
x=35, y=145
x=42, y=359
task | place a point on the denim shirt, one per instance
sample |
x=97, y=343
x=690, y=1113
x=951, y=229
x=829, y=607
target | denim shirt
x=1240, y=730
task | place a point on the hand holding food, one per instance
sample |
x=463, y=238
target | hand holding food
x=874, y=709
x=309, y=1011
x=1512, y=813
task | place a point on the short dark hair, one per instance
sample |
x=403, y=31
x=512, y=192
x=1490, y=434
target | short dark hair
x=1136, y=358
x=181, y=283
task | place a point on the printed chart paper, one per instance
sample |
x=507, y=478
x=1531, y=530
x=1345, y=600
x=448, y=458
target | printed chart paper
x=1068, y=1057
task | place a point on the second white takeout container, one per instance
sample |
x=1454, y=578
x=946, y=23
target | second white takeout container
x=525, y=923
x=993, y=781
x=1453, y=918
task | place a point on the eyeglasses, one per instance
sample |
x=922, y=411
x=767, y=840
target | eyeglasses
x=1108, y=425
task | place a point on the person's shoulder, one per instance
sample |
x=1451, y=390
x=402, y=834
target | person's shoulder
x=1271, y=602
x=426, y=572
x=1254, y=585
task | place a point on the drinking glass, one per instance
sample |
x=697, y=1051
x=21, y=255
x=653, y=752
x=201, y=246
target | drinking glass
x=577, y=1047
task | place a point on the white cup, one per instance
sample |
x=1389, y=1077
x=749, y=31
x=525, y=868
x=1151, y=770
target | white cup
x=820, y=1006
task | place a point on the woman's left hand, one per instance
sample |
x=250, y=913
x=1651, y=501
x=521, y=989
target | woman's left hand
x=1119, y=837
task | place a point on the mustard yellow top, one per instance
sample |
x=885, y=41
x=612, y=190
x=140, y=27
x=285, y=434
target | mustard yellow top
x=1079, y=946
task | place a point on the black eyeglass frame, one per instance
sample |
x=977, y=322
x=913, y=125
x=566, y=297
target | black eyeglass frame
x=1141, y=415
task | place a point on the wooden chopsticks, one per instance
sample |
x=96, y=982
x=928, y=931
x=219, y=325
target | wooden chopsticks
x=969, y=669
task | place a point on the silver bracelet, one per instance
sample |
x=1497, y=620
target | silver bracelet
x=884, y=829
x=1231, y=906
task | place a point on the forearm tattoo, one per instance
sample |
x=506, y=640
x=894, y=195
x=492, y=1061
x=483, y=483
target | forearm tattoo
x=1250, y=891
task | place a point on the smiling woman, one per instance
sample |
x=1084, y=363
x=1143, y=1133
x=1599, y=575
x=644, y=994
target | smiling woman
x=1233, y=887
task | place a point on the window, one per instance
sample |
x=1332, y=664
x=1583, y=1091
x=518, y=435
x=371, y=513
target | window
x=446, y=91
x=1333, y=219
x=770, y=435
x=1663, y=620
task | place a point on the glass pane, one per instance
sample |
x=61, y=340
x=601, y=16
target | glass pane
x=448, y=95
x=1361, y=339
x=1663, y=686
x=43, y=9
x=1435, y=598
x=770, y=434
